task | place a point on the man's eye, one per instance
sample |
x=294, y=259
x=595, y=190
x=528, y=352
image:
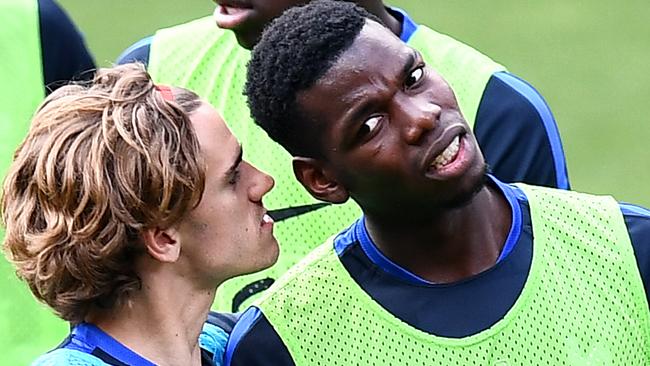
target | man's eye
x=368, y=126
x=414, y=77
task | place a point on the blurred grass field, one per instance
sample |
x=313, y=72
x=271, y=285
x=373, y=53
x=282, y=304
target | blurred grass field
x=589, y=59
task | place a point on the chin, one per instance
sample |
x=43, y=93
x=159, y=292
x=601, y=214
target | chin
x=475, y=184
x=247, y=40
x=273, y=256
x=267, y=255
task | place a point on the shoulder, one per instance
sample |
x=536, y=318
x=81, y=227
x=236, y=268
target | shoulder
x=518, y=133
x=172, y=39
x=635, y=212
x=254, y=341
x=194, y=32
x=65, y=357
x=55, y=22
x=215, y=333
x=51, y=13
x=284, y=286
x=637, y=221
x=64, y=53
x=137, y=52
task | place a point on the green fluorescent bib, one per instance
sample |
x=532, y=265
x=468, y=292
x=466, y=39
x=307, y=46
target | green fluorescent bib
x=208, y=60
x=27, y=328
x=583, y=303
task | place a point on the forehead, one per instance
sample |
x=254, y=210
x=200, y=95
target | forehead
x=376, y=49
x=375, y=56
x=374, y=62
x=218, y=145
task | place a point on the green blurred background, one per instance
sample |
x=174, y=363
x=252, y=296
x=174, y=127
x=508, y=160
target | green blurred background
x=589, y=59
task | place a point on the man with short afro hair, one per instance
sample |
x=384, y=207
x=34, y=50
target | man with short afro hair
x=447, y=265
x=302, y=52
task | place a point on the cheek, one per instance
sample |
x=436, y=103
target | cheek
x=380, y=175
x=211, y=216
x=232, y=213
x=443, y=94
x=271, y=9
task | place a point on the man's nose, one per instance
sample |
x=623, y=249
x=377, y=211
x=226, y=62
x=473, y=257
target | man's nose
x=263, y=183
x=419, y=118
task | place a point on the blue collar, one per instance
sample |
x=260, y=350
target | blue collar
x=87, y=338
x=359, y=230
x=408, y=25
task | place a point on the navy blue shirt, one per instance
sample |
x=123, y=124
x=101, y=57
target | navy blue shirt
x=64, y=53
x=514, y=125
x=253, y=340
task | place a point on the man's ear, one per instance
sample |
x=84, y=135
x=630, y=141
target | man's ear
x=318, y=180
x=162, y=245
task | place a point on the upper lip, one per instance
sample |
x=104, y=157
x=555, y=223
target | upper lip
x=234, y=4
x=440, y=144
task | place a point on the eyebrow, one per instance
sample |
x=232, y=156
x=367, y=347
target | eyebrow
x=412, y=59
x=363, y=108
x=236, y=163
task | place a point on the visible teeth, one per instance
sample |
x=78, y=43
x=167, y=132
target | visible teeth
x=448, y=154
x=267, y=219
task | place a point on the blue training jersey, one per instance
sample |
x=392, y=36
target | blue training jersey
x=450, y=313
x=87, y=345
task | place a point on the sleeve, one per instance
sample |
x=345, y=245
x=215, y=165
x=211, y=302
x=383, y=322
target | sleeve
x=137, y=52
x=64, y=53
x=637, y=220
x=254, y=342
x=518, y=134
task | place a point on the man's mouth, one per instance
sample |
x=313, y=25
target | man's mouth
x=267, y=221
x=445, y=149
x=447, y=155
x=230, y=15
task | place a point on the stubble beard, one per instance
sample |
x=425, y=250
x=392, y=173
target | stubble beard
x=466, y=197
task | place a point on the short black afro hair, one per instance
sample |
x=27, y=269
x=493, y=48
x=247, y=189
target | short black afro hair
x=295, y=51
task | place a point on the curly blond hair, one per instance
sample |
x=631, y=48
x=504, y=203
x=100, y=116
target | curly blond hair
x=101, y=163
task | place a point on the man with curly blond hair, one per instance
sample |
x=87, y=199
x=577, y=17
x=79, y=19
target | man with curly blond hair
x=125, y=207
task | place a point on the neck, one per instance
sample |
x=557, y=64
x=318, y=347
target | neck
x=162, y=321
x=451, y=246
x=378, y=9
